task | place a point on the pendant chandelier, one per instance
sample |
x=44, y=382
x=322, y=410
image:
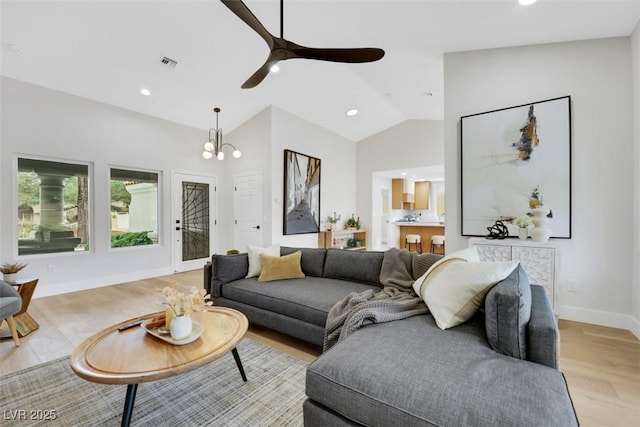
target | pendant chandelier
x=214, y=146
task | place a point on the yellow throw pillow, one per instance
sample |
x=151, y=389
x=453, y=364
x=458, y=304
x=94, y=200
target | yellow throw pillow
x=284, y=267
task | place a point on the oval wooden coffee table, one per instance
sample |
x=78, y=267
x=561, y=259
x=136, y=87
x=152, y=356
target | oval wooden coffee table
x=134, y=356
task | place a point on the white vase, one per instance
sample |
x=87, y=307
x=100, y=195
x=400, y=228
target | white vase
x=10, y=277
x=523, y=233
x=181, y=327
x=541, y=231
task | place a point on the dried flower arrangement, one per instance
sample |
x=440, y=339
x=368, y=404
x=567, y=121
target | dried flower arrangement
x=182, y=303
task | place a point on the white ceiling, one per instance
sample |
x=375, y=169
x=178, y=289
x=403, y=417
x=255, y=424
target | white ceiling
x=108, y=50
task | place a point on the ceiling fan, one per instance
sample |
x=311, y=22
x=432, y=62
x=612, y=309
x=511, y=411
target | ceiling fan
x=282, y=49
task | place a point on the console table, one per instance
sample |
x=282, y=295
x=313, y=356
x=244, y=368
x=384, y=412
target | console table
x=539, y=259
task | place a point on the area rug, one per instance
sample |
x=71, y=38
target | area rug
x=213, y=395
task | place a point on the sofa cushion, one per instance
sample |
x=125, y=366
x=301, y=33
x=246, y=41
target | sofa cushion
x=255, y=267
x=281, y=267
x=356, y=266
x=308, y=299
x=455, y=293
x=409, y=372
x=312, y=261
x=227, y=268
x=507, y=313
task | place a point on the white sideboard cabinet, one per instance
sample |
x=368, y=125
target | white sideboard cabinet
x=539, y=259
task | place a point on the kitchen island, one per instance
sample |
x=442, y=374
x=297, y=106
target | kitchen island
x=424, y=229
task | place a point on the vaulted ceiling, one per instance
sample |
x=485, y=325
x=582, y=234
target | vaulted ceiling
x=109, y=50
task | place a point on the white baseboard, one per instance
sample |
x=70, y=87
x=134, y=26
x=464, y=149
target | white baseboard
x=602, y=318
x=98, y=282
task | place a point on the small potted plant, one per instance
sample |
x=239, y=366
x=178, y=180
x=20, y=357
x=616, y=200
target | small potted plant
x=523, y=223
x=352, y=223
x=10, y=271
x=180, y=306
x=333, y=220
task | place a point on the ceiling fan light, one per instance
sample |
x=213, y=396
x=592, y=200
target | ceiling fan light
x=274, y=68
x=220, y=155
x=237, y=154
x=207, y=154
x=208, y=146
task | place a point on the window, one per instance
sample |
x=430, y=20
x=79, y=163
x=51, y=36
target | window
x=53, y=206
x=134, y=208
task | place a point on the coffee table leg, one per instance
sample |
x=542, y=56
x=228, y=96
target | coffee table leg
x=236, y=356
x=128, y=404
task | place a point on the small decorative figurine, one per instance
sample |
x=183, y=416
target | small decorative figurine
x=498, y=231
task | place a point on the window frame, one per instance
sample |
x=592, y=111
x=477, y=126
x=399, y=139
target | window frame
x=15, y=204
x=159, y=213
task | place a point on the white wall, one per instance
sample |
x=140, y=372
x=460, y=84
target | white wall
x=253, y=139
x=635, y=55
x=265, y=137
x=337, y=170
x=410, y=144
x=597, y=75
x=42, y=122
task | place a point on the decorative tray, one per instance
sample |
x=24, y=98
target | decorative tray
x=196, y=331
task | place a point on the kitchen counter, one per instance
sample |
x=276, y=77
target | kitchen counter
x=424, y=229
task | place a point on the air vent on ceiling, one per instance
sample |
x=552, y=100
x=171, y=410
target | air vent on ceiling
x=168, y=62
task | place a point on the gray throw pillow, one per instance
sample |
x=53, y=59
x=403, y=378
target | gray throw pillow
x=312, y=261
x=227, y=268
x=507, y=313
x=355, y=266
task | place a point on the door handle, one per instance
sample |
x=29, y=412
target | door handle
x=256, y=227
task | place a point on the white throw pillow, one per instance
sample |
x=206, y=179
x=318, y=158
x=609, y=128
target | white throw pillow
x=255, y=267
x=457, y=291
x=465, y=255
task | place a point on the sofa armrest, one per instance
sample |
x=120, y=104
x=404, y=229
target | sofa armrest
x=225, y=269
x=544, y=337
x=208, y=272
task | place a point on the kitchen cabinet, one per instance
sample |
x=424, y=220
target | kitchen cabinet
x=402, y=194
x=396, y=193
x=422, y=194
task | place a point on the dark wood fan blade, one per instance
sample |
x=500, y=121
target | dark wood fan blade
x=243, y=12
x=357, y=55
x=259, y=75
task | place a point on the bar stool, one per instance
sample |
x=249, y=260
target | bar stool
x=414, y=239
x=436, y=242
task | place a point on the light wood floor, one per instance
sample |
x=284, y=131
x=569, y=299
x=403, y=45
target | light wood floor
x=601, y=365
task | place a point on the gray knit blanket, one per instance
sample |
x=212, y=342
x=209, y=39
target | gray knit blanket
x=397, y=300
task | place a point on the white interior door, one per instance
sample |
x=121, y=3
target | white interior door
x=193, y=221
x=247, y=205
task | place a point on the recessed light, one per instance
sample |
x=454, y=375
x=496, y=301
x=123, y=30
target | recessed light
x=526, y=2
x=274, y=68
x=403, y=174
x=352, y=112
x=145, y=91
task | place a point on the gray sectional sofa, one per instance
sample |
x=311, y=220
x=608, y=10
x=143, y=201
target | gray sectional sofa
x=498, y=369
x=296, y=307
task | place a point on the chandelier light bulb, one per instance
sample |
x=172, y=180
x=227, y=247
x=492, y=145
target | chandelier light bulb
x=208, y=146
x=237, y=154
x=220, y=155
x=207, y=154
